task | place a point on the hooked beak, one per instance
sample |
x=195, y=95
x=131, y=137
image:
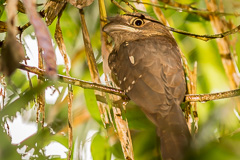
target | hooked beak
x=113, y=27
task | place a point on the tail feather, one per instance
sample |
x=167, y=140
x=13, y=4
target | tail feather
x=174, y=134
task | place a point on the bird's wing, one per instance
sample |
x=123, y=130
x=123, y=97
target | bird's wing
x=150, y=72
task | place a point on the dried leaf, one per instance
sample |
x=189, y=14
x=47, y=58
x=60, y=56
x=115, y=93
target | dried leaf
x=80, y=3
x=43, y=37
x=3, y=26
x=52, y=10
x=59, y=39
x=12, y=53
x=20, y=7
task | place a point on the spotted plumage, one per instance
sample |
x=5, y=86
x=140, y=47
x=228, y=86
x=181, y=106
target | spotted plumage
x=147, y=61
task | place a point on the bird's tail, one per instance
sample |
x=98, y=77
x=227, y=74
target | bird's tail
x=174, y=134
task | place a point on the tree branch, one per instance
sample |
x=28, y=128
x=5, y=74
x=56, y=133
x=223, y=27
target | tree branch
x=76, y=82
x=205, y=37
x=211, y=96
x=119, y=92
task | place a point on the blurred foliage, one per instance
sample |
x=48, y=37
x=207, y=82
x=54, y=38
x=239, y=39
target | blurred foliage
x=218, y=136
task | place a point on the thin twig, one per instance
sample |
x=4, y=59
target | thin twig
x=40, y=96
x=158, y=12
x=114, y=103
x=60, y=42
x=211, y=96
x=76, y=82
x=92, y=65
x=130, y=6
x=192, y=106
x=2, y=91
x=70, y=121
x=206, y=37
x=119, y=6
x=25, y=26
x=201, y=37
x=201, y=12
x=89, y=51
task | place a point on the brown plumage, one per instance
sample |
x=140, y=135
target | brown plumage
x=146, y=63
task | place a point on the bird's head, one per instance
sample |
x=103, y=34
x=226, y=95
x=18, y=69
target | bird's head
x=130, y=27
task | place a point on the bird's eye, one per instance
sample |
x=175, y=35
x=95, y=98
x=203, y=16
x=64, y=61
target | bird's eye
x=138, y=22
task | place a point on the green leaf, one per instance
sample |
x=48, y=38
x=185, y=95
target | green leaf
x=193, y=18
x=61, y=139
x=19, y=79
x=22, y=101
x=100, y=148
x=137, y=119
x=116, y=150
x=7, y=150
x=145, y=144
x=1, y=7
x=92, y=105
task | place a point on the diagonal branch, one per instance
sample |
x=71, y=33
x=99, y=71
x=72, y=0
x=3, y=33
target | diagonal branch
x=76, y=82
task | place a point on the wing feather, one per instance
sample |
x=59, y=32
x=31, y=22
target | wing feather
x=150, y=72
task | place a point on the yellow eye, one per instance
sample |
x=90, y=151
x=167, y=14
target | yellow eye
x=138, y=22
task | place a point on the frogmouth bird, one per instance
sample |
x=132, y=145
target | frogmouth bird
x=146, y=64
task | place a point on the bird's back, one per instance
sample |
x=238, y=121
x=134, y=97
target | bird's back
x=151, y=73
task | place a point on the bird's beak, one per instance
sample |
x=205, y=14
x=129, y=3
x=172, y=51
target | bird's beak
x=113, y=26
x=106, y=28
